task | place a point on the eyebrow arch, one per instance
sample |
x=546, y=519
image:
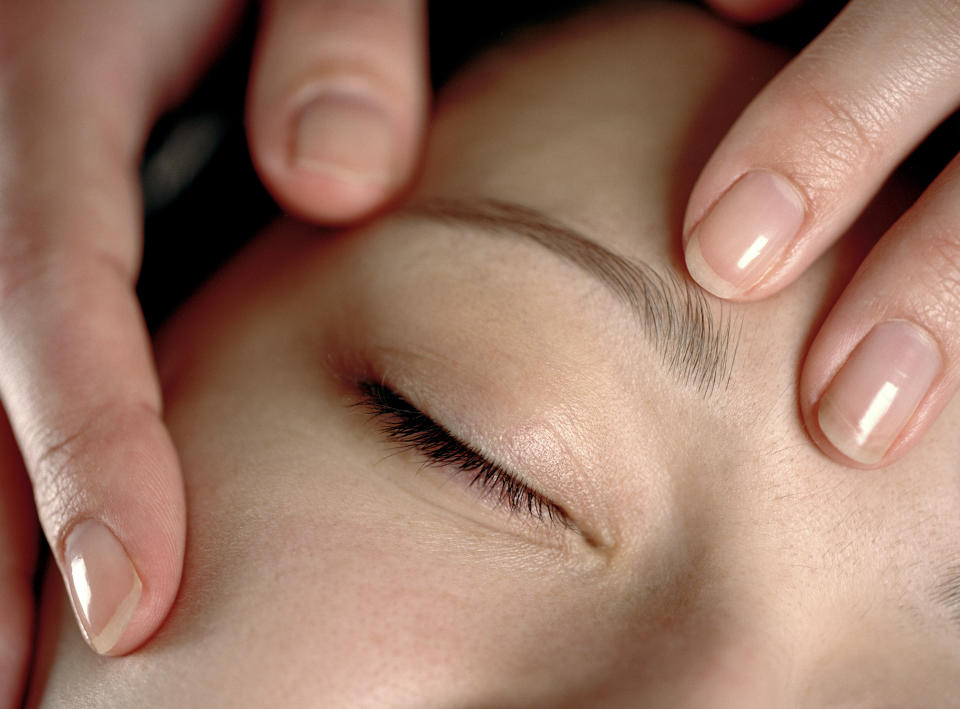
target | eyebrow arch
x=696, y=346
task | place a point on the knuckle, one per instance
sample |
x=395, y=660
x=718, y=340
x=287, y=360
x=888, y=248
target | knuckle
x=35, y=269
x=57, y=460
x=76, y=464
x=344, y=26
x=929, y=39
x=940, y=282
x=22, y=263
x=368, y=40
x=90, y=234
x=847, y=133
x=941, y=27
x=366, y=15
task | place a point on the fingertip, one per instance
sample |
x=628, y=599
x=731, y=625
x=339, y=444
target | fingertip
x=347, y=153
x=121, y=549
x=104, y=586
x=875, y=404
x=337, y=104
x=745, y=234
x=701, y=272
x=119, y=604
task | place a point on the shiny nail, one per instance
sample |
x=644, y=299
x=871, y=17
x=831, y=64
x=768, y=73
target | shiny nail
x=745, y=233
x=877, y=390
x=345, y=136
x=104, y=586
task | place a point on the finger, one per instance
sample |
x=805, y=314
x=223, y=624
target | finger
x=808, y=154
x=337, y=101
x=887, y=359
x=78, y=85
x=752, y=10
x=18, y=556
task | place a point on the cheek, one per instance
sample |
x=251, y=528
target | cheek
x=309, y=575
x=366, y=609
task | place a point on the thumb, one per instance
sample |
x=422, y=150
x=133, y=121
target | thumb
x=79, y=83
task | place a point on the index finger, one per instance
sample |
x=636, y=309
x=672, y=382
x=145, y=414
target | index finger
x=813, y=148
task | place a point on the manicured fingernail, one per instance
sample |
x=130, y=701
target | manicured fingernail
x=745, y=233
x=875, y=393
x=346, y=136
x=104, y=586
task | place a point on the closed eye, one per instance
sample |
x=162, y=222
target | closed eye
x=412, y=429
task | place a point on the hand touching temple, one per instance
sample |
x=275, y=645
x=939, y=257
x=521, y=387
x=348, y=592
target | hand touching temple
x=494, y=451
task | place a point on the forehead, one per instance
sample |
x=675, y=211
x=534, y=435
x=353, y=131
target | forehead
x=567, y=120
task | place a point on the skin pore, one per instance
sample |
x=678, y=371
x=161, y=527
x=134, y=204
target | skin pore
x=666, y=534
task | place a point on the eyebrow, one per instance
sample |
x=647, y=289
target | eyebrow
x=695, y=345
x=947, y=592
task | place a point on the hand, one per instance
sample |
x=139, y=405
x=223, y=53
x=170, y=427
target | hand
x=336, y=107
x=794, y=172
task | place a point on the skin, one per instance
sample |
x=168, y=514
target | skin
x=718, y=559
x=77, y=380
x=834, y=124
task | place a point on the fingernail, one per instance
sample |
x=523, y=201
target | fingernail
x=104, y=586
x=875, y=393
x=346, y=136
x=745, y=233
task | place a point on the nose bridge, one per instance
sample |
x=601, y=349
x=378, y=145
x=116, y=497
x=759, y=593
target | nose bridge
x=733, y=589
x=730, y=669
x=739, y=653
x=735, y=658
x=739, y=678
x=730, y=626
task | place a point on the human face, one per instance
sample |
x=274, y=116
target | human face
x=668, y=537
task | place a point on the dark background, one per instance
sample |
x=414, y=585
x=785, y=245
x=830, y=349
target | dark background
x=203, y=200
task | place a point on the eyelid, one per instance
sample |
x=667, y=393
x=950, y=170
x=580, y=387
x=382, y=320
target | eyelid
x=412, y=429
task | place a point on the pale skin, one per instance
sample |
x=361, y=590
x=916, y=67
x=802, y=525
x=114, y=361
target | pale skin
x=713, y=558
x=77, y=379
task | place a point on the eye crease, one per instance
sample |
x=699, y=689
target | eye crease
x=411, y=429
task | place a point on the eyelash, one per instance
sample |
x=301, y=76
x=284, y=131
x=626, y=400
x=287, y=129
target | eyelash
x=412, y=429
